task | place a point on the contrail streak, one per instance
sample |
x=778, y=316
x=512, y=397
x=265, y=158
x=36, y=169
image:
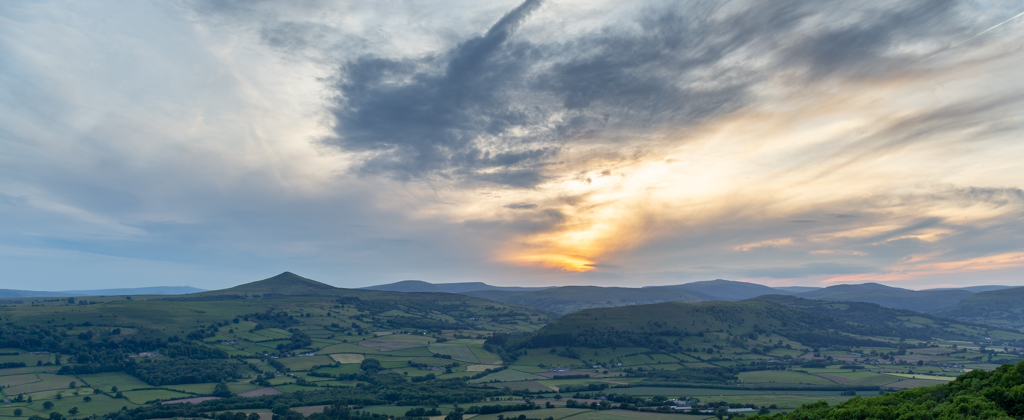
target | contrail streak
x=989, y=29
x=972, y=37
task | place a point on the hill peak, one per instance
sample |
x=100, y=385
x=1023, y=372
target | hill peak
x=287, y=283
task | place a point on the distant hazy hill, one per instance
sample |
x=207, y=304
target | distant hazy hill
x=811, y=324
x=566, y=299
x=630, y=325
x=890, y=297
x=906, y=323
x=1000, y=307
x=157, y=290
x=422, y=286
x=975, y=289
x=724, y=289
x=798, y=289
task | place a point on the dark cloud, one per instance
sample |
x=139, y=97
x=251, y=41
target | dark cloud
x=865, y=46
x=521, y=206
x=537, y=221
x=497, y=109
x=424, y=116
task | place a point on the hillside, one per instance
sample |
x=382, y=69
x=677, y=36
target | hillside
x=887, y=321
x=422, y=286
x=759, y=344
x=1004, y=308
x=689, y=318
x=723, y=289
x=976, y=289
x=890, y=297
x=737, y=325
x=568, y=299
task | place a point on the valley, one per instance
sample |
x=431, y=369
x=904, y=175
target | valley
x=293, y=347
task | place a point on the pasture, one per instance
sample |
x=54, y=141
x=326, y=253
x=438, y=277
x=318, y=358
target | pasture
x=508, y=375
x=106, y=381
x=457, y=351
x=345, y=358
x=147, y=395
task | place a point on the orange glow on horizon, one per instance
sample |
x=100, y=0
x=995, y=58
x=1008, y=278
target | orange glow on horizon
x=556, y=261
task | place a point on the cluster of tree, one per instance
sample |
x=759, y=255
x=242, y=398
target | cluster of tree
x=271, y=319
x=998, y=394
x=96, y=361
x=236, y=416
x=424, y=378
x=298, y=340
x=423, y=412
x=175, y=371
x=498, y=408
x=583, y=387
x=194, y=351
x=56, y=339
x=602, y=405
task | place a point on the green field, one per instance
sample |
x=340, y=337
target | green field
x=482, y=355
x=105, y=381
x=531, y=386
x=305, y=363
x=508, y=375
x=345, y=358
x=201, y=389
x=99, y=404
x=784, y=377
x=457, y=351
x=536, y=358
x=143, y=396
x=43, y=382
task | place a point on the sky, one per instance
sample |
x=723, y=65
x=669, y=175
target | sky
x=215, y=142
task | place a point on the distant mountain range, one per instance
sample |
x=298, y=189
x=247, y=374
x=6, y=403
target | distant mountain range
x=994, y=305
x=422, y=286
x=157, y=290
x=567, y=299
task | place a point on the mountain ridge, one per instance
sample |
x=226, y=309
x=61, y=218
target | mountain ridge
x=414, y=286
x=151, y=290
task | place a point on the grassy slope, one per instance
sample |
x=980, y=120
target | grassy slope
x=891, y=297
x=1003, y=308
x=913, y=324
x=691, y=318
x=564, y=300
